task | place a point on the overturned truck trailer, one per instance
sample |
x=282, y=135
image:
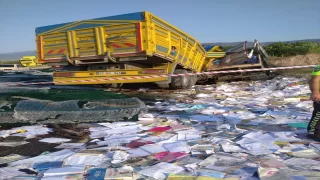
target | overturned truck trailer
x=123, y=47
x=250, y=59
x=130, y=48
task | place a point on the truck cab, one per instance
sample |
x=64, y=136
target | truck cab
x=28, y=61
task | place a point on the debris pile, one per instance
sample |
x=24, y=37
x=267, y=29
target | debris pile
x=240, y=130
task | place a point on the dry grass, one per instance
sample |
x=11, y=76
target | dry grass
x=10, y=62
x=309, y=59
x=305, y=72
x=300, y=60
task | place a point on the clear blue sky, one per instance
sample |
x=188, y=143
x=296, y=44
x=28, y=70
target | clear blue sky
x=206, y=20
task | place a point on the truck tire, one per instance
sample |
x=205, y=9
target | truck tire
x=180, y=82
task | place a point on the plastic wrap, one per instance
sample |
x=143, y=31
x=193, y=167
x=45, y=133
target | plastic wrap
x=17, y=89
x=74, y=111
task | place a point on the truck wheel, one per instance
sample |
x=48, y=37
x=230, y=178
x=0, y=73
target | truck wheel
x=180, y=82
x=192, y=81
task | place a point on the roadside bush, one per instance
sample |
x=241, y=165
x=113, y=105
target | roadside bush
x=282, y=49
x=10, y=62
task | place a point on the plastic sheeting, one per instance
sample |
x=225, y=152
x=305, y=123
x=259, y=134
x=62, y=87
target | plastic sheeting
x=16, y=89
x=78, y=111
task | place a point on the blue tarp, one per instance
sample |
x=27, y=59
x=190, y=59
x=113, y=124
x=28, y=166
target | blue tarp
x=207, y=48
x=138, y=16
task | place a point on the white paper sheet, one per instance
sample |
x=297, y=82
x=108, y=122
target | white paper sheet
x=64, y=171
x=177, y=147
x=9, y=172
x=32, y=131
x=203, y=118
x=11, y=158
x=158, y=171
x=71, y=146
x=55, y=156
x=137, y=153
x=302, y=164
x=231, y=148
x=153, y=148
x=316, y=146
x=256, y=149
x=119, y=156
x=13, y=144
x=64, y=177
x=54, y=140
x=85, y=160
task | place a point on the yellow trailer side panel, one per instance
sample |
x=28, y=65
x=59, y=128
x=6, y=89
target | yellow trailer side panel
x=121, y=38
x=54, y=46
x=142, y=34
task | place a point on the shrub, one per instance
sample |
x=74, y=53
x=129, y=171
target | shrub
x=9, y=61
x=282, y=49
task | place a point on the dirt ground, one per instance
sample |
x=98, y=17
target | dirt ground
x=299, y=60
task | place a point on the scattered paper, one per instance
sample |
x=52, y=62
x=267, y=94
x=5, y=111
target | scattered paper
x=85, y=159
x=9, y=172
x=11, y=158
x=160, y=170
x=64, y=171
x=109, y=173
x=177, y=147
x=246, y=130
x=13, y=144
x=119, y=156
x=71, y=146
x=55, y=140
x=55, y=156
x=231, y=148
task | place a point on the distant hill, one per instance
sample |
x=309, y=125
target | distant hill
x=18, y=55
x=262, y=43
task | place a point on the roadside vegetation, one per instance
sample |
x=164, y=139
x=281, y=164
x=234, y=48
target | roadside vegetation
x=292, y=54
x=282, y=49
x=10, y=62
